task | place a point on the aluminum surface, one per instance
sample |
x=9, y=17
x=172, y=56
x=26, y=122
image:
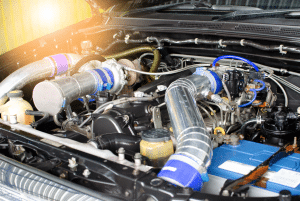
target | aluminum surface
x=30, y=73
x=186, y=119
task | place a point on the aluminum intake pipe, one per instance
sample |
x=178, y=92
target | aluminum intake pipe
x=53, y=96
x=47, y=67
x=188, y=166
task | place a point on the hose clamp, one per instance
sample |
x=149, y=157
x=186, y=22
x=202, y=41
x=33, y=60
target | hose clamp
x=259, y=120
x=280, y=49
x=220, y=43
x=242, y=42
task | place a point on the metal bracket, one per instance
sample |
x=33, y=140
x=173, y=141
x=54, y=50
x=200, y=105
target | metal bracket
x=156, y=116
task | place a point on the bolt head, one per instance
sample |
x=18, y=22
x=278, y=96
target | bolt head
x=135, y=172
x=225, y=193
x=138, y=94
x=137, y=156
x=127, y=193
x=161, y=87
x=126, y=118
x=121, y=150
x=156, y=182
x=62, y=175
x=86, y=173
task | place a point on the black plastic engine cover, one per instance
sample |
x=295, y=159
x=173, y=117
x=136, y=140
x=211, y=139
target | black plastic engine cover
x=128, y=118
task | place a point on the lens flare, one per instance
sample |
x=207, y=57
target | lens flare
x=48, y=13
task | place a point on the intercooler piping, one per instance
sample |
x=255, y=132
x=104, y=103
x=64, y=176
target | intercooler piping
x=188, y=166
x=47, y=67
x=55, y=95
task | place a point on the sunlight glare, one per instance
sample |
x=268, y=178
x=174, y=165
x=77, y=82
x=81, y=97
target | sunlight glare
x=48, y=13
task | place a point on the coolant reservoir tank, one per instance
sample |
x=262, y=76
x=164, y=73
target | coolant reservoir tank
x=156, y=144
x=16, y=106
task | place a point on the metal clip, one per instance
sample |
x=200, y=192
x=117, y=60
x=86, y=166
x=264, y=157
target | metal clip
x=220, y=43
x=281, y=51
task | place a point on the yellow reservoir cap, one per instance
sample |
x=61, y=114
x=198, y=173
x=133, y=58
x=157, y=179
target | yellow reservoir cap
x=156, y=145
x=17, y=106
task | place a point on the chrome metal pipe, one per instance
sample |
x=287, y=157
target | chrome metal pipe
x=194, y=149
x=47, y=67
x=186, y=119
x=53, y=96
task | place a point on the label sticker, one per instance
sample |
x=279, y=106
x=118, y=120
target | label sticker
x=283, y=176
x=236, y=167
x=241, y=168
x=287, y=178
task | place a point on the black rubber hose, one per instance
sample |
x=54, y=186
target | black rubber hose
x=132, y=41
x=254, y=136
x=246, y=123
x=44, y=115
x=233, y=127
x=114, y=141
x=84, y=60
x=136, y=50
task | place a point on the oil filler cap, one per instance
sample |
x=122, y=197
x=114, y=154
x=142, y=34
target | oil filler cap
x=15, y=94
x=156, y=135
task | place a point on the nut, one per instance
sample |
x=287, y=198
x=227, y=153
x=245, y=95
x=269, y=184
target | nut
x=72, y=162
x=86, y=173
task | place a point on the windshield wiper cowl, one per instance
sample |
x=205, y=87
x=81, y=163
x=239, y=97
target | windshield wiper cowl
x=249, y=14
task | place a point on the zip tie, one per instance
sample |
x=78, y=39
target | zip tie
x=148, y=40
x=281, y=51
x=242, y=42
x=127, y=38
x=220, y=43
x=115, y=35
x=196, y=41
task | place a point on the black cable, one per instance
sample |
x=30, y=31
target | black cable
x=84, y=60
x=246, y=123
x=44, y=115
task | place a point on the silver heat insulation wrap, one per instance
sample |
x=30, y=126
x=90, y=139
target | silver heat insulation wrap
x=44, y=68
x=52, y=96
x=55, y=95
x=186, y=119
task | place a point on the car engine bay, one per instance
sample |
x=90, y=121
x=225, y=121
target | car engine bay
x=148, y=116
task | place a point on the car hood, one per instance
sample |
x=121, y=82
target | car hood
x=106, y=4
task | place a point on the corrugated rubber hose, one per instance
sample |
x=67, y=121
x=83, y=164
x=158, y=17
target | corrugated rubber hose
x=126, y=53
x=142, y=49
